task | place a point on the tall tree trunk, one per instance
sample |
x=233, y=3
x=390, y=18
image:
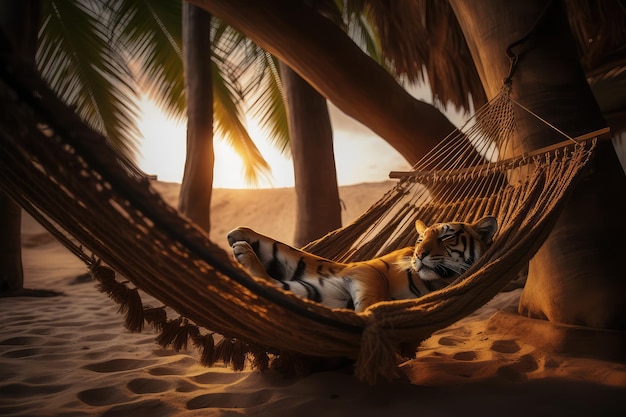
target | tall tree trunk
x=577, y=275
x=322, y=54
x=11, y=270
x=318, y=210
x=197, y=184
x=19, y=20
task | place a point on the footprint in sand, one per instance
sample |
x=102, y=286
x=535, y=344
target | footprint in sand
x=518, y=370
x=116, y=365
x=449, y=341
x=102, y=396
x=465, y=356
x=505, y=346
x=148, y=385
x=219, y=378
x=230, y=400
x=178, y=367
x=186, y=386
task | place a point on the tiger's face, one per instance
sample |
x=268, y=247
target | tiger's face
x=446, y=250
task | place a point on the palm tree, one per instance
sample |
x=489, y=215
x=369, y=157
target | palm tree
x=19, y=22
x=575, y=277
x=318, y=209
x=196, y=189
x=224, y=71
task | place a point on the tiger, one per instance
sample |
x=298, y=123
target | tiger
x=441, y=254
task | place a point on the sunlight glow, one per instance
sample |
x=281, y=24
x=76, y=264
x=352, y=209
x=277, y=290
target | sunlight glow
x=162, y=143
x=360, y=155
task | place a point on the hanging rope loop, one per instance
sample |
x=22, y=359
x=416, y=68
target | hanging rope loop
x=513, y=57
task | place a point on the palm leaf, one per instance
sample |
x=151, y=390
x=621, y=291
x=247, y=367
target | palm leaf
x=269, y=106
x=75, y=58
x=230, y=126
x=151, y=34
x=254, y=76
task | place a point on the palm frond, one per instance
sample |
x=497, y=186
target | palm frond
x=75, y=58
x=361, y=28
x=151, y=34
x=253, y=76
x=230, y=126
x=269, y=106
x=365, y=34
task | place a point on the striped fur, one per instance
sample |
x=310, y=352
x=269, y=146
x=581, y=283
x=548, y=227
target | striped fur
x=443, y=251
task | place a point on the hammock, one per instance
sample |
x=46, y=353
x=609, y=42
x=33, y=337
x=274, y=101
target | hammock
x=103, y=209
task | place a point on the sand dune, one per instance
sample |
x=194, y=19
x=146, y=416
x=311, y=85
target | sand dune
x=70, y=355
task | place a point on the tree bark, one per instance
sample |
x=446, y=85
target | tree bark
x=11, y=270
x=318, y=210
x=322, y=54
x=197, y=184
x=577, y=275
x=20, y=22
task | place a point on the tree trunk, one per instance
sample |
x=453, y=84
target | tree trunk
x=322, y=54
x=318, y=210
x=197, y=183
x=11, y=271
x=577, y=275
x=20, y=22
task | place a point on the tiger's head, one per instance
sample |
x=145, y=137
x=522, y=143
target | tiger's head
x=446, y=250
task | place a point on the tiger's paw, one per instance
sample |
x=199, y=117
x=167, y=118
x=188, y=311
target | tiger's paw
x=247, y=258
x=240, y=234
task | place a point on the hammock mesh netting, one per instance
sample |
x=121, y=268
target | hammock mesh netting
x=104, y=210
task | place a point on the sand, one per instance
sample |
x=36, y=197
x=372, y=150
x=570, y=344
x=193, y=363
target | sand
x=71, y=356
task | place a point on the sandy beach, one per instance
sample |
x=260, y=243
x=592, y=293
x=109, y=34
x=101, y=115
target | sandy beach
x=71, y=356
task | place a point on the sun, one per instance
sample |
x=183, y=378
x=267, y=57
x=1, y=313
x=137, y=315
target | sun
x=162, y=152
x=162, y=144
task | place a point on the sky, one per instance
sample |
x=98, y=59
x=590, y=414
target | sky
x=360, y=155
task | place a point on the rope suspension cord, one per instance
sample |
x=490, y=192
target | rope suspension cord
x=487, y=134
x=514, y=58
x=422, y=168
x=547, y=123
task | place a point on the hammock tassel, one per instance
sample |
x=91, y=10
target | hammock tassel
x=224, y=351
x=177, y=334
x=239, y=355
x=206, y=345
x=128, y=299
x=155, y=316
x=376, y=358
x=259, y=360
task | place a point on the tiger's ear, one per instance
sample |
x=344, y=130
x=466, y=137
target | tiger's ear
x=420, y=226
x=486, y=228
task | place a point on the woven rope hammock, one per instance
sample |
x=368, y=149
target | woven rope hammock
x=103, y=209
